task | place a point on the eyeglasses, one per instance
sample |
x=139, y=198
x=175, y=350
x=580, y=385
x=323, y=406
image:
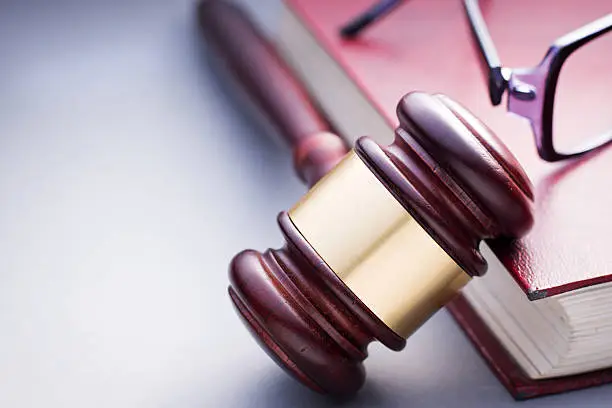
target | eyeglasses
x=535, y=93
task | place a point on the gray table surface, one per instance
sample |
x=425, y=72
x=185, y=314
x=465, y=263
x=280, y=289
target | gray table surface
x=127, y=183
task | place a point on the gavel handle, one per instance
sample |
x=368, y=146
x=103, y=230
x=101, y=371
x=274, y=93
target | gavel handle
x=260, y=70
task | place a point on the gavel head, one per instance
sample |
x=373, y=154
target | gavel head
x=381, y=243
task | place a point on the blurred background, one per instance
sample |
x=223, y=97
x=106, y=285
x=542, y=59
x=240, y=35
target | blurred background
x=128, y=180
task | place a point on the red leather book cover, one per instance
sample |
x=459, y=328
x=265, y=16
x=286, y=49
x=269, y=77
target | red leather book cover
x=427, y=45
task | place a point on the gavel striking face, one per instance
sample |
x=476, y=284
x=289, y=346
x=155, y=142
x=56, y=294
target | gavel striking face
x=380, y=243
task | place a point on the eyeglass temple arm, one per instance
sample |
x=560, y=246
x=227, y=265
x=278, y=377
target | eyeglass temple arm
x=371, y=15
x=498, y=78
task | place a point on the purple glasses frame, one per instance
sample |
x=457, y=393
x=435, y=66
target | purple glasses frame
x=531, y=91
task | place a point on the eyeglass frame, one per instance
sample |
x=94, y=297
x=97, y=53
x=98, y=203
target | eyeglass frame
x=531, y=91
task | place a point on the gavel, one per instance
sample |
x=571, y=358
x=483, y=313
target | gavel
x=385, y=236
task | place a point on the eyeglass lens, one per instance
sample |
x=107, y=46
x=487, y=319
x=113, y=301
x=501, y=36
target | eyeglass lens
x=582, y=113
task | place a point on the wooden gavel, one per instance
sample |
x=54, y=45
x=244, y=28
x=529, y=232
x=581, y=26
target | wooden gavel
x=384, y=238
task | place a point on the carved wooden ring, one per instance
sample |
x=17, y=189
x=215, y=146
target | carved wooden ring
x=381, y=243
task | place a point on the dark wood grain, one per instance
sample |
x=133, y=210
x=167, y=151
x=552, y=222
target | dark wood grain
x=304, y=316
x=445, y=167
x=272, y=85
x=454, y=177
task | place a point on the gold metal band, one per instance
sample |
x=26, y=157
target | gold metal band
x=378, y=250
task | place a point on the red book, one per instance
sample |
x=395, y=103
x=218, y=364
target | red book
x=540, y=318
